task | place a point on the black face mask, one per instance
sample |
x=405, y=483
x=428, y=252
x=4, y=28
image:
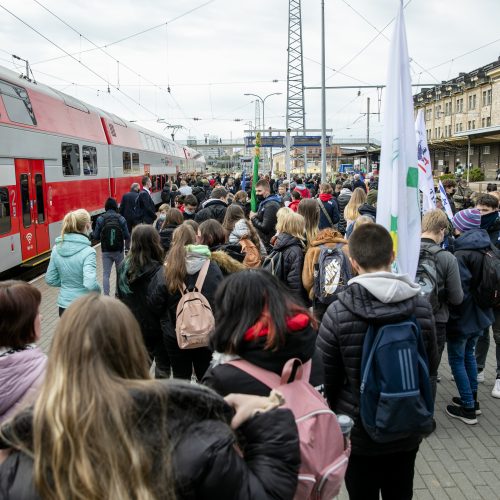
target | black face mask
x=260, y=198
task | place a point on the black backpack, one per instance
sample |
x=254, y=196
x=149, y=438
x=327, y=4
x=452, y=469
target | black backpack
x=275, y=265
x=427, y=276
x=112, y=234
x=487, y=293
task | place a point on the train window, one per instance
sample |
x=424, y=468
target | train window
x=136, y=166
x=70, y=154
x=25, y=199
x=40, y=208
x=17, y=104
x=127, y=165
x=5, y=223
x=148, y=141
x=89, y=154
x=143, y=140
x=158, y=145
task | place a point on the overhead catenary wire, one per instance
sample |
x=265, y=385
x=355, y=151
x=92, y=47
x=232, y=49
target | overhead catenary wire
x=88, y=68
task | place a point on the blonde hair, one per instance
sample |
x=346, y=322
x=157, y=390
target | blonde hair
x=164, y=207
x=362, y=219
x=87, y=442
x=309, y=209
x=358, y=198
x=433, y=221
x=290, y=223
x=75, y=222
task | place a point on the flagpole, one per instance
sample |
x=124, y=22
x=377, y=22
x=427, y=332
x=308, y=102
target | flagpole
x=255, y=172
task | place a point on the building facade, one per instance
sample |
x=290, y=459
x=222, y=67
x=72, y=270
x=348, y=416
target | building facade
x=462, y=118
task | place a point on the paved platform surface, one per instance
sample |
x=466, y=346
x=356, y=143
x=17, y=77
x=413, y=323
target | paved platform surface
x=458, y=462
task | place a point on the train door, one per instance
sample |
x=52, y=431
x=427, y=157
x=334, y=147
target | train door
x=32, y=213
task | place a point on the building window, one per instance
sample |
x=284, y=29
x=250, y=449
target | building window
x=447, y=108
x=472, y=101
x=89, y=154
x=459, y=105
x=486, y=97
x=437, y=113
x=488, y=121
x=473, y=124
x=5, y=223
x=428, y=114
x=461, y=128
x=486, y=150
x=136, y=167
x=70, y=158
x=17, y=104
x=127, y=164
x=471, y=150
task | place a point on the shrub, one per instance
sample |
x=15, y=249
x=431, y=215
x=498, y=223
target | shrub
x=476, y=175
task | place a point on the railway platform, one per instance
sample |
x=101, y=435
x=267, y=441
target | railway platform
x=457, y=461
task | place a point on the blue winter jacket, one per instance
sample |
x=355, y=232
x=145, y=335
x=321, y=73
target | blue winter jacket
x=73, y=268
x=468, y=318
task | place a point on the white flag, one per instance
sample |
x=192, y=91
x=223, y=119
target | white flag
x=445, y=202
x=398, y=208
x=425, y=180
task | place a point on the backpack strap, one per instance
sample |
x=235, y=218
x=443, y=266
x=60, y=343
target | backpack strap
x=325, y=212
x=202, y=275
x=271, y=379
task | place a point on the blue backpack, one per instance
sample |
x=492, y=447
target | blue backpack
x=395, y=395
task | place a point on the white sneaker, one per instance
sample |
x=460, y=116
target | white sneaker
x=480, y=376
x=496, y=389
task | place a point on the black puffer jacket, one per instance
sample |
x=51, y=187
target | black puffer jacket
x=133, y=293
x=293, y=258
x=212, y=209
x=206, y=463
x=166, y=234
x=265, y=220
x=343, y=200
x=299, y=343
x=341, y=338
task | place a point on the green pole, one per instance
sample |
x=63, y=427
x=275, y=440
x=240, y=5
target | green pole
x=255, y=172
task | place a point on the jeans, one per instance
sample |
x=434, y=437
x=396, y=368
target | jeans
x=462, y=361
x=391, y=474
x=107, y=263
x=483, y=344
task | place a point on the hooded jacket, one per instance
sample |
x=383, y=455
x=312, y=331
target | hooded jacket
x=293, y=259
x=133, y=293
x=312, y=257
x=300, y=342
x=21, y=377
x=302, y=189
x=492, y=226
x=240, y=231
x=265, y=220
x=294, y=205
x=212, y=209
x=468, y=318
x=206, y=461
x=227, y=261
x=330, y=205
x=73, y=268
x=375, y=298
x=343, y=200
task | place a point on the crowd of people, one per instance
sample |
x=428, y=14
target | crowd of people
x=142, y=396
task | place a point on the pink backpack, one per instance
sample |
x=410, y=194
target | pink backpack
x=324, y=457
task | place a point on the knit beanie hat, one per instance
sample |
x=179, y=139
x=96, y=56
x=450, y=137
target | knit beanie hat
x=371, y=199
x=467, y=219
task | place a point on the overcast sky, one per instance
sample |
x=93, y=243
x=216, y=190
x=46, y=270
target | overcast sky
x=225, y=48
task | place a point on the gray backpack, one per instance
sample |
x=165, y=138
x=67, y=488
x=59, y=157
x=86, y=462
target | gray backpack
x=331, y=274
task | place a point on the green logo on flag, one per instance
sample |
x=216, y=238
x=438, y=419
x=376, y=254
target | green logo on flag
x=412, y=177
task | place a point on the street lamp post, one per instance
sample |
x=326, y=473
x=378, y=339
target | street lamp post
x=263, y=101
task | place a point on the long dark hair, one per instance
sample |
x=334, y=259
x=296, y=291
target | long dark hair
x=235, y=213
x=242, y=299
x=145, y=247
x=175, y=264
x=212, y=233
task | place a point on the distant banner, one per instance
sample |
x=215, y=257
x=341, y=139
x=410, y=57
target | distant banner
x=445, y=202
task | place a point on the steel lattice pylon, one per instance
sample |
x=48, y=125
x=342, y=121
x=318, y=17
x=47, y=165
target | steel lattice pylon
x=295, y=113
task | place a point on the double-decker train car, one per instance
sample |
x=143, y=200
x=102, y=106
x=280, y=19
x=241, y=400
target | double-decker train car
x=58, y=154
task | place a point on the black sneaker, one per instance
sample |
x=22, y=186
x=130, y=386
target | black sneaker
x=467, y=416
x=458, y=402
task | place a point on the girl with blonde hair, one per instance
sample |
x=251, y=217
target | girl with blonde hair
x=351, y=213
x=290, y=243
x=102, y=429
x=72, y=265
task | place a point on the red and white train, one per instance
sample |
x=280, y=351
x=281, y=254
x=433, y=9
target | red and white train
x=58, y=154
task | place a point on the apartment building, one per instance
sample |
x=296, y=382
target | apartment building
x=462, y=118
